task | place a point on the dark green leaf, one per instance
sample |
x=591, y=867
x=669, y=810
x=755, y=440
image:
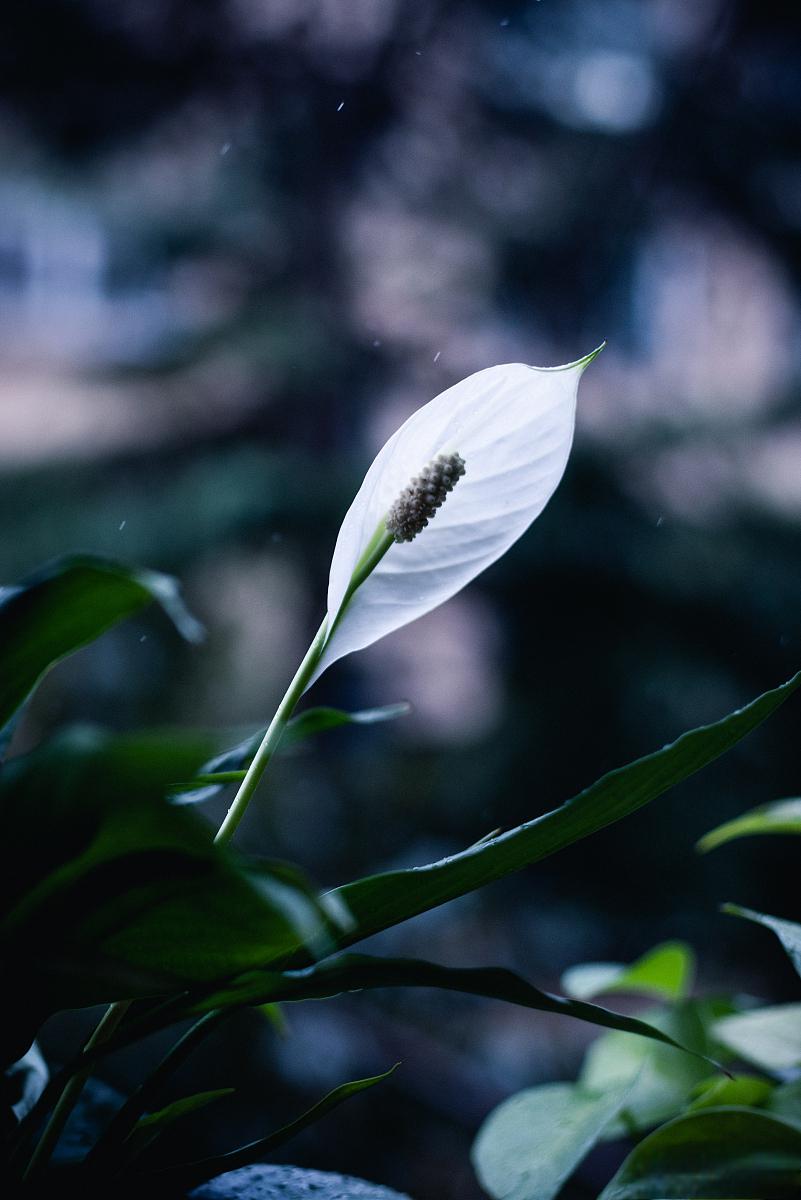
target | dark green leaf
x=64, y=607
x=712, y=1155
x=150, y=1127
x=230, y=766
x=190, y=1175
x=782, y=816
x=380, y=901
x=530, y=1145
x=788, y=932
x=126, y=896
x=665, y=972
x=355, y=972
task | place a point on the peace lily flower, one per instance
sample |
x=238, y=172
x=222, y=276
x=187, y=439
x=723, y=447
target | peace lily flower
x=448, y=494
x=511, y=428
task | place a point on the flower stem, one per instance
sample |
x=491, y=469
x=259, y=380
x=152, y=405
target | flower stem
x=374, y=552
x=272, y=737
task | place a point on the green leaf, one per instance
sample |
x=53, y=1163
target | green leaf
x=769, y=1038
x=64, y=607
x=190, y=1175
x=529, y=1146
x=781, y=816
x=745, y=1091
x=665, y=972
x=662, y=1081
x=785, y=1101
x=126, y=896
x=380, y=901
x=788, y=932
x=356, y=972
x=713, y=1154
x=230, y=766
x=150, y=1127
x=319, y=720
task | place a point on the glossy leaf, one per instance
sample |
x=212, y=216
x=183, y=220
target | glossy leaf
x=769, y=1038
x=530, y=1145
x=380, y=901
x=665, y=972
x=781, y=816
x=356, y=972
x=713, y=1154
x=190, y=1175
x=745, y=1091
x=230, y=766
x=64, y=607
x=513, y=427
x=788, y=932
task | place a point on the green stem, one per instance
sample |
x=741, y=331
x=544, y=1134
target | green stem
x=69, y=1097
x=272, y=737
x=373, y=553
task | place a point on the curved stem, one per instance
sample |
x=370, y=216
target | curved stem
x=69, y=1097
x=272, y=737
x=375, y=551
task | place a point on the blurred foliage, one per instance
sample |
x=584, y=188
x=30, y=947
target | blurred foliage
x=238, y=241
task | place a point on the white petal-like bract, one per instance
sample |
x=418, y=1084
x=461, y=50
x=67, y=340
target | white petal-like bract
x=513, y=427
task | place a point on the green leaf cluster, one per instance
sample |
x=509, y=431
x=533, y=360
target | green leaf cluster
x=114, y=890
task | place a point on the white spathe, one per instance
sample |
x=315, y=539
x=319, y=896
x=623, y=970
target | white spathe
x=513, y=426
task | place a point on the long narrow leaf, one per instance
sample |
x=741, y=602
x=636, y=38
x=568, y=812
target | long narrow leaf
x=780, y=816
x=380, y=901
x=182, y=1178
x=357, y=972
x=788, y=932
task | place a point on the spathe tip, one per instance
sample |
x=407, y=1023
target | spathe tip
x=583, y=363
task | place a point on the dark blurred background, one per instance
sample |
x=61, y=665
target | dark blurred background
x=240, y=241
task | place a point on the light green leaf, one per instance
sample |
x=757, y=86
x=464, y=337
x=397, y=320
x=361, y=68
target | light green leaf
x=65, y=606
x=712, y=1155
x=745, y=1091
x=665, y=972
x=781, y=816
x=662, y=1082
x=381, y=901
x=767, y=1037
x=532, y=1143
x=785, y=1102
x=788, y=932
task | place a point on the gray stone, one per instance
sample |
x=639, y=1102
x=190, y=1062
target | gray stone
x=261, y=1182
